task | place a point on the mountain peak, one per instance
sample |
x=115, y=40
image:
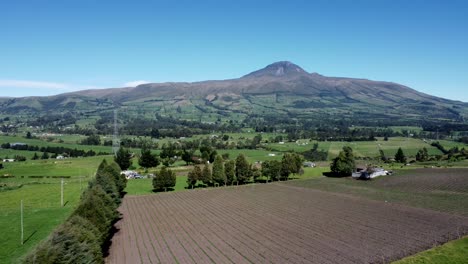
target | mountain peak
x=278, y=69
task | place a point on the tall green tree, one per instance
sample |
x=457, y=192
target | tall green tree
x=147, y=159
x=193, y=176
x=206, y=176
x=290, y=163
x=242, y=169
x=230, y=171
x=400, y=156
x=123, y=158
x=164, y=179
x=187, y=155
x=272, y=169
x=45, y=155
x=219, y=176
x=344, y=164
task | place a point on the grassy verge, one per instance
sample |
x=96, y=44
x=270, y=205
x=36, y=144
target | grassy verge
x=453, y=252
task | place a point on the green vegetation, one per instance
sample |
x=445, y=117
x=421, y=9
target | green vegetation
x=164, y=179
x=344, y=164
x=455, y=252
x=81, y=238
x=264, y=159
x=123, y=158
x=42, y=212
x=145, y=186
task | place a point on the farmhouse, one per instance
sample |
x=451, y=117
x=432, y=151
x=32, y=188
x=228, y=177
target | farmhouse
x=370, y=173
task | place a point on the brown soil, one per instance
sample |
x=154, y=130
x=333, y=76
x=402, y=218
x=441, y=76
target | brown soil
x=274, y=223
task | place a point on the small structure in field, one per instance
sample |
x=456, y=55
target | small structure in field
x=370, y=173
x=271, y=155
x=309, y=164
x=131, y=174
x=8, y=160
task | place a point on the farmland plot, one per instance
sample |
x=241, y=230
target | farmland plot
x=274, y=223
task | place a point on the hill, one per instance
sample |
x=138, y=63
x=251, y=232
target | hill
x=281, y=89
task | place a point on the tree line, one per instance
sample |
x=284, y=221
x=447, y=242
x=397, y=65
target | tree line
x=83, y=237
x=68, y=152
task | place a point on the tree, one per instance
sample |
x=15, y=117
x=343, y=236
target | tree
x=230, y=171
x=1, y=166
x=28, y=135
x=164, y=179
x=256, y=140
x=256, y=173
x=290, y=163
x=147, y=159
x=344, y=164
x=20, y=158
x=242, y=169
x=123, y=158
x=45, y=155
x=422, y=155
x=187, y=156
x=206, y=176
x=219, y=176
x=155, y=133
x=94, y=140
x=271, y=169
x=35, y=156
x=400, y=156
x=168, y=151
x=193, y=176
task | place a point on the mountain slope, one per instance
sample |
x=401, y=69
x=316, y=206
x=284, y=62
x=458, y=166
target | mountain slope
x=281, y=88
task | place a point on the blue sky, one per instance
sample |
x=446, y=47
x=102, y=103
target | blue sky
x=50, y=47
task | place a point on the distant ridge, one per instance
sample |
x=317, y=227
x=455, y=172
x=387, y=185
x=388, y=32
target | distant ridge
x=279, y=88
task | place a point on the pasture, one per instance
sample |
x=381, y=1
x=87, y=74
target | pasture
x=37, y=183
x=42, y=212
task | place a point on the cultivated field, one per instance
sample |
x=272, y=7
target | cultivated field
x=274, y=223
x=444, y=190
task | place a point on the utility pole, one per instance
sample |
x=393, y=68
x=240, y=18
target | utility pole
x=61, y=193
x=22, y=225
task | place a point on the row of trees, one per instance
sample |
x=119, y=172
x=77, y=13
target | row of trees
x=83, y=236
x=226, y=172
x=68, y=152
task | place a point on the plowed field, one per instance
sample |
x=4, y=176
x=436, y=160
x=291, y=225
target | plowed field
x=274, y=223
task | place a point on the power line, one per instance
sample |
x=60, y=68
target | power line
x=115, y=138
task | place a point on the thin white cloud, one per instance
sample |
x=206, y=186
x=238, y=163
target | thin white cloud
x=33, y=84
x=135, y=83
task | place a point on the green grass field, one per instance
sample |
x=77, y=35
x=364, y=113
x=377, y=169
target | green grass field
x=41, y=200
x=453, y=252
x=42, y=213
x=67, y=167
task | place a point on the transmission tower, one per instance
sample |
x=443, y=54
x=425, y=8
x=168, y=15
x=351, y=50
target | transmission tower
x=115, y=138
